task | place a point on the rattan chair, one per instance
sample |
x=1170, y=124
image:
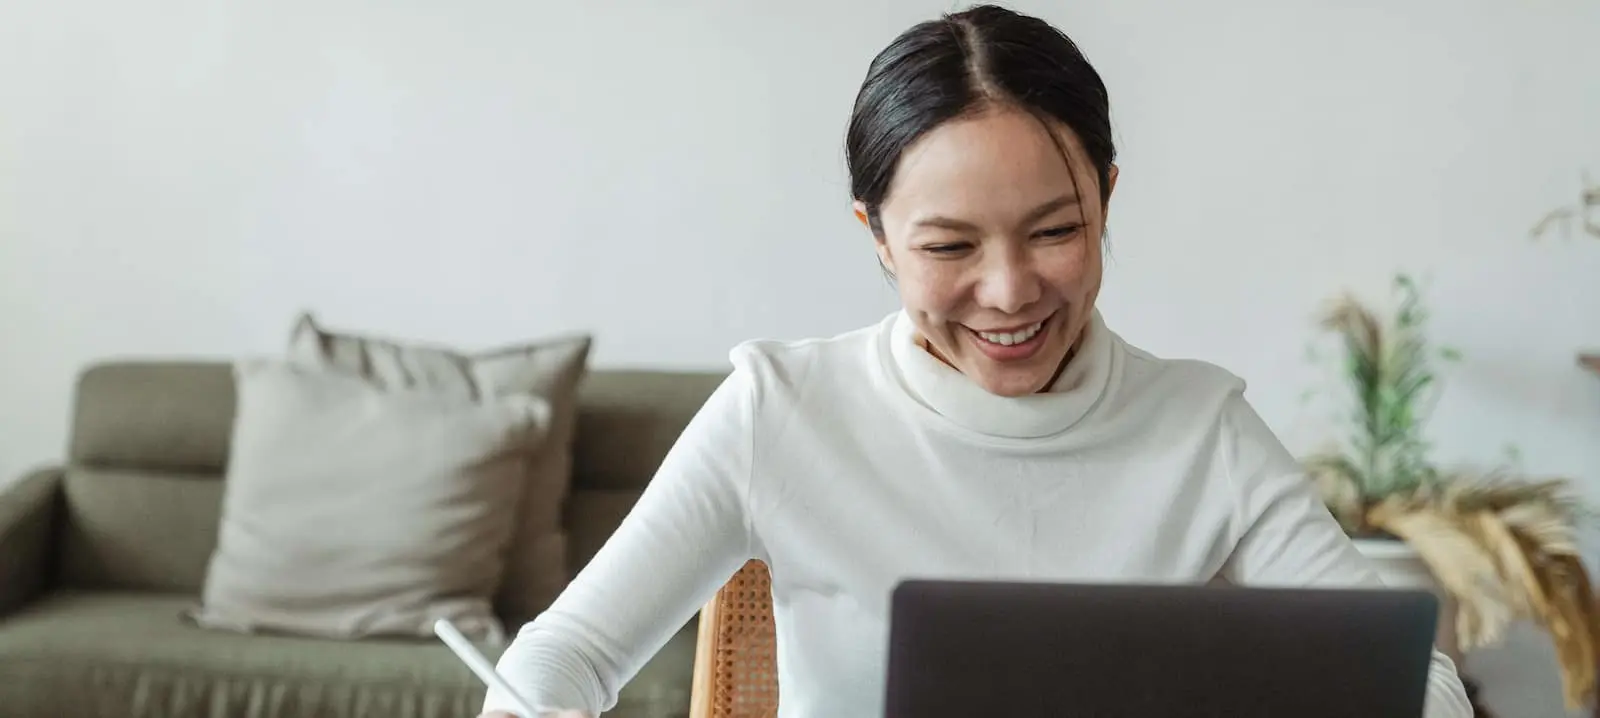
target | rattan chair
x=736, y=660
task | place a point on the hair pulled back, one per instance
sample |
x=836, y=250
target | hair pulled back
x=964, y=63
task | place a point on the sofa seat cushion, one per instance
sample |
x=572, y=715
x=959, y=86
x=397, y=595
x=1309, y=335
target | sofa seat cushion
x=131, y=655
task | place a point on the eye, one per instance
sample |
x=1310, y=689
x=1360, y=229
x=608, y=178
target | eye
x=949, y=249
x=1063, y=232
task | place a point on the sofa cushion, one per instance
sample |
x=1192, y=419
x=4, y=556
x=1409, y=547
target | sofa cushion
x=130, y=654
x=137, y=528
x=630, y=419
x=551, y=368
x=156, y=415
x=149, y=442
x=592, y=517
x=154, y=435
x=354, y=510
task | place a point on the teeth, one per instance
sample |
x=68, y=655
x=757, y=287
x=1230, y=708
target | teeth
x=1010, y=338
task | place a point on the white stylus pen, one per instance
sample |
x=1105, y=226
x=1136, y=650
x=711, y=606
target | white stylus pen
x=480, y=665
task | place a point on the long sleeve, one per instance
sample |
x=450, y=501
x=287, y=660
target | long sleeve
x=688, y=533
x=1289, y=538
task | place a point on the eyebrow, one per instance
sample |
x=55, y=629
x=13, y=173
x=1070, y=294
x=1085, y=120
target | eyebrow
x=1033, y=215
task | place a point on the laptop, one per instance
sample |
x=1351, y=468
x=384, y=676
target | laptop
x=959, y=649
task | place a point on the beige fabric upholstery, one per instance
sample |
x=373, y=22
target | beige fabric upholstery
x=27, y=525
x=352, y=510
x=125, y=654
x=592, y=516
x=628, y=421
x=149, y=445
x=551, y=368
x=166, y=415
x=148, y=530
x=142, y=477
x=171, y=469
x=110, y=653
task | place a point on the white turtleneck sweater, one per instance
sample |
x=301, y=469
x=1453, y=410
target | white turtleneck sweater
x=851, y=462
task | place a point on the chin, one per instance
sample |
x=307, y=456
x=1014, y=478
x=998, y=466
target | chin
x=1019, y=376
x=1012, y=382
x=1016, y=379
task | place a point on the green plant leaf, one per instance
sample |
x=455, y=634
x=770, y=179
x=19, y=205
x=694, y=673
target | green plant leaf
x=1386, y=373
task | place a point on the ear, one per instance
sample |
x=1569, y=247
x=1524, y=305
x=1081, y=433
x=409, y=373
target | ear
x=884, y=257
x=861, y=214
x=1111, y=181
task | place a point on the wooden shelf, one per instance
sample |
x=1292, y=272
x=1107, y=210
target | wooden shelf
x=1590, y=360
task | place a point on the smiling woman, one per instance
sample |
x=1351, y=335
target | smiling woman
x=993, y=428
x=996, y=257
x=987, y=209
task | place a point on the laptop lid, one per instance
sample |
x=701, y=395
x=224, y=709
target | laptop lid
x=959, y=649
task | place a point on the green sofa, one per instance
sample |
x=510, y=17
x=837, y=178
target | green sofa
x=100, y=555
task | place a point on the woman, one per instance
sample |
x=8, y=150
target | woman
x=994, y=427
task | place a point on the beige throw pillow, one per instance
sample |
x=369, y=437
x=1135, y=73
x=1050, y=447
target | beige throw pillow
x=552, y=368
x=352, y=510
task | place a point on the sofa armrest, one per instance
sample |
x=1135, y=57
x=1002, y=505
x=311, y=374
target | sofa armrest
x=27, y=527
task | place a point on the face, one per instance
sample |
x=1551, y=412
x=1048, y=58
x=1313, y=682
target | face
x=997, y=260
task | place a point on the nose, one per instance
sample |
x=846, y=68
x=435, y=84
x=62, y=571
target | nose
x=1009, y=283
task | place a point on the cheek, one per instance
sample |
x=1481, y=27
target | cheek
x=1074, y=269
x=932, y=287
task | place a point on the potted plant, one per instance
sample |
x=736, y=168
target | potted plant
x=1496, y=546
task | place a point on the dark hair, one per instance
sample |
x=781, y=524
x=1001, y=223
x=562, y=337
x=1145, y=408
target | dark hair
x=964, y=63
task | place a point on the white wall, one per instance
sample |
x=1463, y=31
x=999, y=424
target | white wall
x=179, y=177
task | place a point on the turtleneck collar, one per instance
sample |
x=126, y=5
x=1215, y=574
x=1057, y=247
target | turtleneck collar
x=959, y=400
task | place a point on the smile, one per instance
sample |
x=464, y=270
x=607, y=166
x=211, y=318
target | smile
x=1013, y=343
x=1013, y=337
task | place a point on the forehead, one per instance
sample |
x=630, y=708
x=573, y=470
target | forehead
x=988, y=167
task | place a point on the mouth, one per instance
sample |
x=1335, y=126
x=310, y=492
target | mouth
x=1013, y=343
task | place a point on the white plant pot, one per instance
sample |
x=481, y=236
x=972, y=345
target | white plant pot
x=1400, y=567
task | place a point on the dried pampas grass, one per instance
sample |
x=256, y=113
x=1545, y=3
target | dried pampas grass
x=1503, y=547
x=1505, y=551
